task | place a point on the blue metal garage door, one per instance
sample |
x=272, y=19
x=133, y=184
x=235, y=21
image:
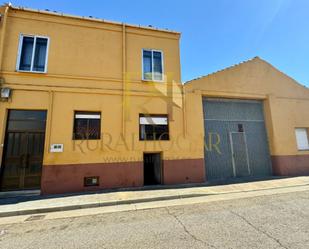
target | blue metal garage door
x=235, y=139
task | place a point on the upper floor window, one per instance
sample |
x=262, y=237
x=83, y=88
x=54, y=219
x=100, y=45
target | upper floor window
x=302, y=138
x=32, y=54
x=153, y=127
x=152, y=65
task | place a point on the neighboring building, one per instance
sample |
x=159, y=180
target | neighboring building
x=259, y=114
x=89, y=104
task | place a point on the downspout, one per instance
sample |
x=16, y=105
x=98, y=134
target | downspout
x=183, y=93
x=124, y=72
x=5, y=15
x=3, y=31
x=49, y=120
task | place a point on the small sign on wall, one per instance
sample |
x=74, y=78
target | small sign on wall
x=56, y=148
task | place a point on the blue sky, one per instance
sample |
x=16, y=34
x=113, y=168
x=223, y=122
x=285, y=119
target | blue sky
x=215, y=33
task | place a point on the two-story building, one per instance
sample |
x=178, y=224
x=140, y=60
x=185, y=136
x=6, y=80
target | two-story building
x=91, y=101
x=90, y=104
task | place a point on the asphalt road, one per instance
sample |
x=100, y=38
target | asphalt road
x=277, y=221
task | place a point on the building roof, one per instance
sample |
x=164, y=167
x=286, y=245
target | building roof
x=89, y=18
x=224, y=69
x=240, y=63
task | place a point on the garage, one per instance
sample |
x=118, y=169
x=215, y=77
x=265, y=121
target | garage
x=236, y=142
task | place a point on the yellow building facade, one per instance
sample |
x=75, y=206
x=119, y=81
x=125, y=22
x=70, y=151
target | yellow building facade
x=90, y=104
x=96, y=66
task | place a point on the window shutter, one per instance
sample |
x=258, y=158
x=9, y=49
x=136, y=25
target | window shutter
x=153, y=120
x=302, y=139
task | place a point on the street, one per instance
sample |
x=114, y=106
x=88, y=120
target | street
x=276, y=221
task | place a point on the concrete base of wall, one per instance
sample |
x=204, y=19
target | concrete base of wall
x=297, y=165
x=59, y=179
x=184, y=171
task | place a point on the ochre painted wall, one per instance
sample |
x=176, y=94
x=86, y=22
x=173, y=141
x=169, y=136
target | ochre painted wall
x=286, y=107
x=97, y=66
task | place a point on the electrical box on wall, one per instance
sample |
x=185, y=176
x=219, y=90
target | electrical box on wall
x=56, y=148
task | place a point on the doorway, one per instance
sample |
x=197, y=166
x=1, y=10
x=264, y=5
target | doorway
x=23, y=150
x=239, y=150
x=152, y=169
x=239, y=125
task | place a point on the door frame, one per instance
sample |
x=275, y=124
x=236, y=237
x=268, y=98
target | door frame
x=3, y=137
x=161, y=166
x=232, y=151
x=4, y=147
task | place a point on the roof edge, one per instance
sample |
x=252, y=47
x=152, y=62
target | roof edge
x=224, y=69
x=244, y=62
x=295, y=81
x=90, y=18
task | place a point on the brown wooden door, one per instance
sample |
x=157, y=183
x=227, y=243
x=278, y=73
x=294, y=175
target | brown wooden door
x=23, y=150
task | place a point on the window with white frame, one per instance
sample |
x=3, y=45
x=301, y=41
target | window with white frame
x=152, y=65
x=32, y=56
x=302, y=138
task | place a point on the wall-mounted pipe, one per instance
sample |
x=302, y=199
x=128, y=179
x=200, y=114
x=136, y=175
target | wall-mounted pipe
x=124, y=72
x=49, y=121
x=3, y=32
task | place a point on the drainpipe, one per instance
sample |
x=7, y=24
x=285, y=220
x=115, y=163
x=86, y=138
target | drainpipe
x=184, y=118
x=49, y=121
x=3, y=31
x=2, y=35
x=124, y=71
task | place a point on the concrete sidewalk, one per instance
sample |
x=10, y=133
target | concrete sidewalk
x=44, y=204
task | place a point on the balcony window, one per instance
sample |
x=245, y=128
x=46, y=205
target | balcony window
x=33, y=53
x=152, y=65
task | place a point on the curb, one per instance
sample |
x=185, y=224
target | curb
x=99, y=204
x=132, y=201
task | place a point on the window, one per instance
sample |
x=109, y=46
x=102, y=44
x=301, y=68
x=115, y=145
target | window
x=152, y=65
x=302, y=138
x=32, y=55
x=87, y=125
x=153, y=127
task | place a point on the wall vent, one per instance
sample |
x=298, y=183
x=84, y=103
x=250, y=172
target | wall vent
x=91, y=181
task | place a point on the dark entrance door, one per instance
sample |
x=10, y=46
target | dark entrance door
x=152, y=168
x=23, y=150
